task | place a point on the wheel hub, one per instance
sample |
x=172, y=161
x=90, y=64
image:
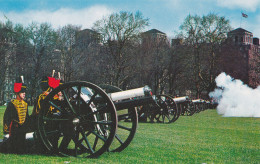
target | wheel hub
x=75, y=121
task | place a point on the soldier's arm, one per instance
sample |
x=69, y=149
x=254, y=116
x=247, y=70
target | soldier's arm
x=35, y=107
x=9, y=117
x=9, y=113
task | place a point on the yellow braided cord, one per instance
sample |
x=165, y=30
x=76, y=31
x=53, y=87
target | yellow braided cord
x=41, y=97
x=21, y=107
x=6, y=128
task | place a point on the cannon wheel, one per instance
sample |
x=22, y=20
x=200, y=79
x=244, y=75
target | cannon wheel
x=167, y=112
x=75, y=127
x=187, y=108
x=198, y=107
x=190, y=109
x=127, y=123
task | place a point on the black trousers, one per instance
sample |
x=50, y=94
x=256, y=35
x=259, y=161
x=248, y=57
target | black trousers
x=18, y=143
x=17, y=139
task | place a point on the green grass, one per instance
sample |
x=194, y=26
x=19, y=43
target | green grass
x=205, y=137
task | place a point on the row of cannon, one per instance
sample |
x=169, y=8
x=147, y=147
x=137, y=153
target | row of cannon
x=179, y=106
x=91, y=119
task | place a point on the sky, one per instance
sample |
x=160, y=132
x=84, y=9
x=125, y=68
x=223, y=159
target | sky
x=164, y=15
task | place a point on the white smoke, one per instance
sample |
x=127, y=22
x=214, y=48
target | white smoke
x=235, y=98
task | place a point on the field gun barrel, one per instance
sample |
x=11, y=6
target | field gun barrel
x=128, y=98
x=122, y=95
x=197, y=101
x=134, y=102
x=132, y=98
x=181, y=99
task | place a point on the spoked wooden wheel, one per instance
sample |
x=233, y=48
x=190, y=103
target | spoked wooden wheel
x=127, y=123
x=77, y=119
x=167, y=111
x=190, y=108
x=198, y=108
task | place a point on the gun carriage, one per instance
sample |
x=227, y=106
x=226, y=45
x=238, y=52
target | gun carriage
x=163, y=110
x=156, y=108
x=89, y=120
x=83, y=124
x=126, y=103
x=198, y=105
x=185, y=106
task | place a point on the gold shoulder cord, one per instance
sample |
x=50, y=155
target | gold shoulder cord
x=6, y=128
x=51, y=109
x=41, y=97
x=21, y=108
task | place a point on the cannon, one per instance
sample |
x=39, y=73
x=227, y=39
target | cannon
x=159, y=108
x=185, y=105
x=162, y=110
x=208, y=104
x=126, y=103
x=199, y=105
x=88, y=121
x=82, y=125
x=156, y=108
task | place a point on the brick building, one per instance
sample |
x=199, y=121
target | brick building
x=86, y=37
x=154, y=35
x=240, y=57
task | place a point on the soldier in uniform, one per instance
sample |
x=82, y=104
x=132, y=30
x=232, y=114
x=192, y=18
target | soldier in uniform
x=38, y=102
x=16, y=121
x=46, y=84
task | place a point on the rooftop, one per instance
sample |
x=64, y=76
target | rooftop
x=240, y=30
x=154, y=31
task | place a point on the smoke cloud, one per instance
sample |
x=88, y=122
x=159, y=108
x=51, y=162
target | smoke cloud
x=235, y=98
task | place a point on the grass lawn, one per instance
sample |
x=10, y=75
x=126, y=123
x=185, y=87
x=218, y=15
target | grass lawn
x=204, y=137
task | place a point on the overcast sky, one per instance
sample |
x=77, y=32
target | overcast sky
x=164, y=15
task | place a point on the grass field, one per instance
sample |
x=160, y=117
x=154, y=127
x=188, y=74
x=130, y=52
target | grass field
x=204, y=137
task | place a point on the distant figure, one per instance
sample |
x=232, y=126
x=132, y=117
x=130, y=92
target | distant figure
x=16, y=121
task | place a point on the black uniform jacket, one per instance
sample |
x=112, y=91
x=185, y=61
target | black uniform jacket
x=16, y=114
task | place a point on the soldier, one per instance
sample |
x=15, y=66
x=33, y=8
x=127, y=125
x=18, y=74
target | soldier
x=16, y=120
x=38, y=103
x=46, y=84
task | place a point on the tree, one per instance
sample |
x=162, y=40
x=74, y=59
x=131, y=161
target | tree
x=7, y=57
x=120, y=33
x=70, y=56
x=43, y=40
x=204, y=35
x=154, y=60
x=215, y=30
x=177, y=63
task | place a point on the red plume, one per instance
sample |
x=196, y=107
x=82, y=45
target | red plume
x=53, y=82
x=17, y=87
